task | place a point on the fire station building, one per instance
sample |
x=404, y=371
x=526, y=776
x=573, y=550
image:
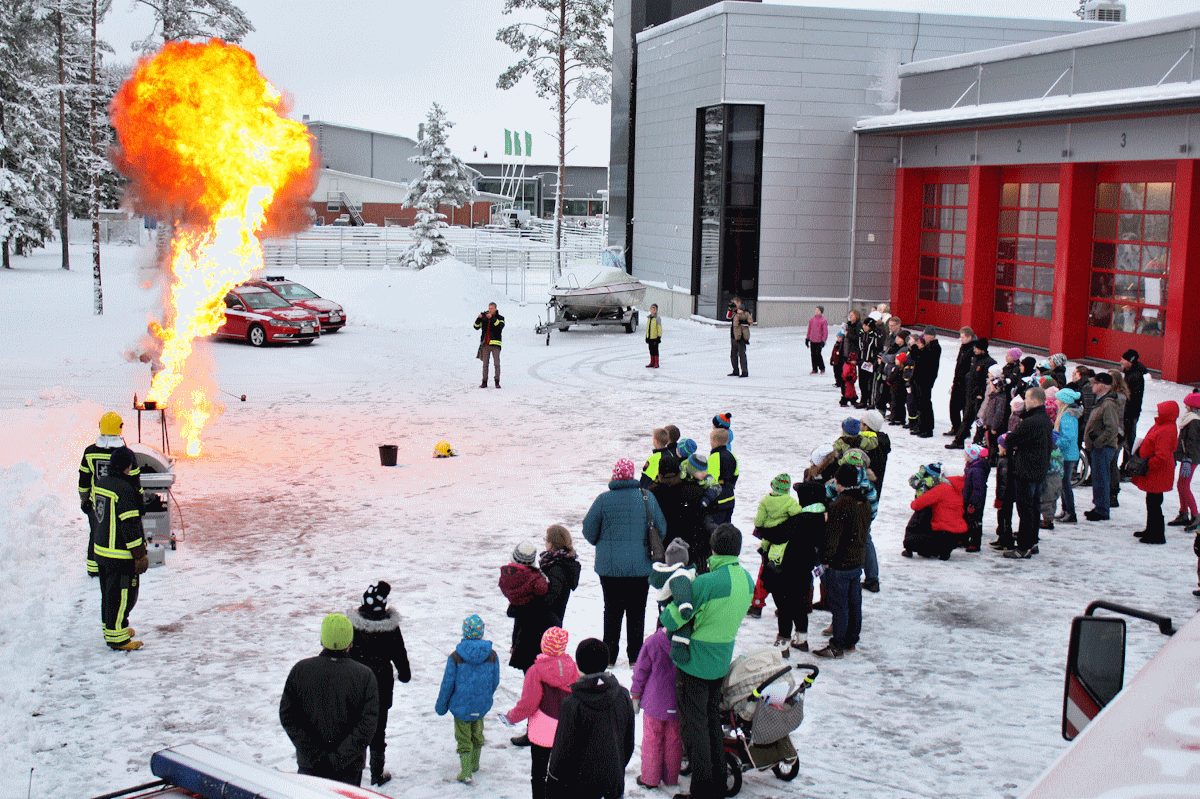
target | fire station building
x=1047, y=193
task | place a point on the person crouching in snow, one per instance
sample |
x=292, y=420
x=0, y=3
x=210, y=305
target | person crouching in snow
x=937, y=521
x=468, y=685
x=594, y=739
x=774, y=510
x=547, y=683
x=673, y=579
x=974, y=492
x=653, y=690
x=378, y=645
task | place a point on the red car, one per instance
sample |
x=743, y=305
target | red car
x=261, y=316
x=332, y=315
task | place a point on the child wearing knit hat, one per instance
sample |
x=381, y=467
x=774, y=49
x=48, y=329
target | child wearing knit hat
x=673, y=579
x=775, y=510
x=547, y=683
x=974, y=493
x=525, y=588
x=469, y=684
x=723, y=421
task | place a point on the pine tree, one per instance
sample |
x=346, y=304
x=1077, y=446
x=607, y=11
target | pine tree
x=28, y=150
x=568, y=57
x=176, y=20
x=445, y=180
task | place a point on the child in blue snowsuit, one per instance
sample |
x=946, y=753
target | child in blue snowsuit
x=975, y=479
x=468, y=685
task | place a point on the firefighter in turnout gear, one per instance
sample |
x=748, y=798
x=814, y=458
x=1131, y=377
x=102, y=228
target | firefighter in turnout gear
x=118, y=546
x=93, y=466
x=723, y=467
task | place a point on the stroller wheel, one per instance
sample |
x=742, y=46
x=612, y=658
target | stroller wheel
x=733, y=773
x=787, y=773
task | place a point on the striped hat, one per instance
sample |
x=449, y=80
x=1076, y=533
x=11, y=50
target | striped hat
x=554, y=641
x=686, y=448
x=697, y=463
x=781, y=484
x=472, y=626
x=722, y=420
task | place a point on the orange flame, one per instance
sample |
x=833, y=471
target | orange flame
x=203, y=137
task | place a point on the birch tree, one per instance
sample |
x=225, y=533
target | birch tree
x=567, y=55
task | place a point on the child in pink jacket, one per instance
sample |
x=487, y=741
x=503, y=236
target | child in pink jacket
x=547, y=683
x=653, y=691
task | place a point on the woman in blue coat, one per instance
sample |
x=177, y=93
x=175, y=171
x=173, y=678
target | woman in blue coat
x=616, y=526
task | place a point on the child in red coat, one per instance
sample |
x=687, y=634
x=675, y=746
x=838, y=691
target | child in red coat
x=849, y=380
x=1158, y=447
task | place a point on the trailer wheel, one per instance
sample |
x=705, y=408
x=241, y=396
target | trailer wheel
x=789, y=773
x=632, y=324
x=733, y=774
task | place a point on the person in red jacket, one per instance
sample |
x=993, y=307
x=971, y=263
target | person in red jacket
x=1159, y=448
x=947, y=525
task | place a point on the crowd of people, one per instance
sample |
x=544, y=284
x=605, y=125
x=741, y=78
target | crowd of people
x=1022, y=421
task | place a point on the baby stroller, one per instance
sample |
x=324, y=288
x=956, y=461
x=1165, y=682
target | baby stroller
x=762, y=700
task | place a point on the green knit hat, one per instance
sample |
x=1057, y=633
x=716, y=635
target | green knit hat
x=781, y=484
x=337, y=633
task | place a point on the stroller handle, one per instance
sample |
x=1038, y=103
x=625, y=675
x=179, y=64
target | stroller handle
x=775, y=676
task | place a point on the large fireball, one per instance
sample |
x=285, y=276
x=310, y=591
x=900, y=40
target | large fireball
x=203, y=138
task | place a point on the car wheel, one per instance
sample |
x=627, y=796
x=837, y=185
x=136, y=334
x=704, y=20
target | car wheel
x=256, y=335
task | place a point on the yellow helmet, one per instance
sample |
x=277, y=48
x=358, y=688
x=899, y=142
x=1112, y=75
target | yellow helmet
x=443, y=450
x=111, y=424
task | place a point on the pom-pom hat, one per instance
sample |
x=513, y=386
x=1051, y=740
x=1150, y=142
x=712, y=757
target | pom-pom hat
x=374, y=601
x=723, y=420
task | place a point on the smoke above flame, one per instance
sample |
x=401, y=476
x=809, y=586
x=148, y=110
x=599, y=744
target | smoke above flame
x=203, y=137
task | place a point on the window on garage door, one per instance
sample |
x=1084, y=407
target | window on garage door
x=1131, y=256
x=943, y=243
x=1026, y=249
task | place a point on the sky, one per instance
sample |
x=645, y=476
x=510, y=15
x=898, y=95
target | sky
x=379, y=64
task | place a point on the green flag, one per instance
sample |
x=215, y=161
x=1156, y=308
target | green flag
x=516, y=142
x=507, y=142
x=528, y=144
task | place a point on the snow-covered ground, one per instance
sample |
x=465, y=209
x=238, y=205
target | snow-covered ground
x=955, y=690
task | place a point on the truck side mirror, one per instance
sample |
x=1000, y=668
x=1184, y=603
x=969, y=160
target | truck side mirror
x=1095, y=670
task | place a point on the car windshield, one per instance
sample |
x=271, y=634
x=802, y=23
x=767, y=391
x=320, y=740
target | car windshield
x=258, y=300
x=294, y=291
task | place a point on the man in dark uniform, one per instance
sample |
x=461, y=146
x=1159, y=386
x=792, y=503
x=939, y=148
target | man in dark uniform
x=93, y=466
x=975, y=390
x=924, y=376
x=958, y=388
x=118, y=547
x=490, y=325
x=1135, y=379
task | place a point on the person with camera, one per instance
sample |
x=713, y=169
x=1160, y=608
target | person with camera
x=490, y=325
x=740, y=321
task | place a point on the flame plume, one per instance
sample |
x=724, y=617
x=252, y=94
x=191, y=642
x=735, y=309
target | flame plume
x=203, y=137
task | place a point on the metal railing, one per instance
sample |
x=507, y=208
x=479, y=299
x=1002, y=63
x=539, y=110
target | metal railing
x=520, y=262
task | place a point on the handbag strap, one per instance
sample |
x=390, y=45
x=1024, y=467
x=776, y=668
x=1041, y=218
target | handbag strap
x=646, y=505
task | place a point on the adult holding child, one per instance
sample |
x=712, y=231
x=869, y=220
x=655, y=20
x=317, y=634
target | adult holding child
x=616, y=526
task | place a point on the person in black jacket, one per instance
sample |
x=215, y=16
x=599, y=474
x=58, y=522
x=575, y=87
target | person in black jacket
x=870, y=344
x=490, y=325
x=958, y=388
x=330, y=707
x=975, y=389
x=594, y=739
x=924, y=376
x=378, y=645
x=118, y=545
x=1135, y=379
x=1029, y=446
x=561, y=567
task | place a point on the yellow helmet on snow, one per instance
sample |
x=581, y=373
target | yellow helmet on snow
x=111, y=424
x=443, y=450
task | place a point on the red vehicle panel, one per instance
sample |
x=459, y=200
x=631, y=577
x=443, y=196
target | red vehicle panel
x=261, y=316
x=331, y=314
